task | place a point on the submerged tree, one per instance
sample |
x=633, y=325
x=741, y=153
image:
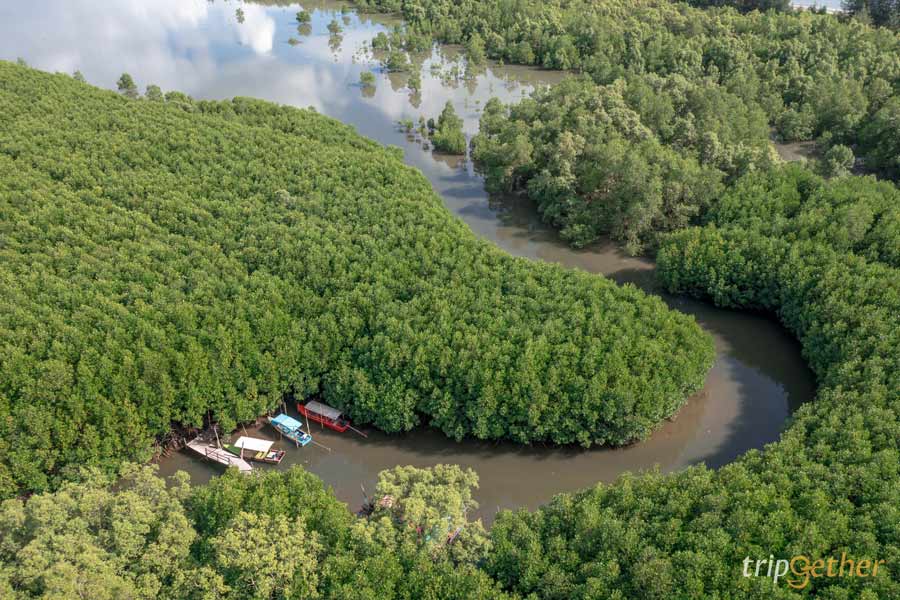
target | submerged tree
x=367, y=79
x=415, y=80
x=475, y=50
x=397, y=61
x=448, y=133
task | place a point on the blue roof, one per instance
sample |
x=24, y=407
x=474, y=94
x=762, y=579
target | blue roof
x=288, y=422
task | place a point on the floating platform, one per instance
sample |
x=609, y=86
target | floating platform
x=219, y=455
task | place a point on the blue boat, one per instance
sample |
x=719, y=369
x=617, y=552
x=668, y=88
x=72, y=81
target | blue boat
x=291, y=429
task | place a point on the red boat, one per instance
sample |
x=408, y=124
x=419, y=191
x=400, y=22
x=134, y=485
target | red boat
x=328, y=416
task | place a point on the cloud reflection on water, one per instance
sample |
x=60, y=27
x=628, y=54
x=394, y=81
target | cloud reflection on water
x=200, y=48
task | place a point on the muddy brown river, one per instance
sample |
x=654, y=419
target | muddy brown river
x=209, y=51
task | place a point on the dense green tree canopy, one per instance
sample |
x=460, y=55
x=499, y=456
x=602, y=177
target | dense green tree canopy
x=823, y=257
x=162, y=261
x=745, y=5
x=696, y=92
x=878, y=12
x=400, y=550
x=882, y=134
x=603, y=159
x=268, y=536
x=782, y=62
x=166, y=262
x=90, y=540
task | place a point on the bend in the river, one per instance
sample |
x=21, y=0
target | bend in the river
x=200, y=48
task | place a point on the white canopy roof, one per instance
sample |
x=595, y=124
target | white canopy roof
x=253, y=444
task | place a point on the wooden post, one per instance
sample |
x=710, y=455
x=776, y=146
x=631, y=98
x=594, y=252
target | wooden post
x=365, y=435
x=320, y=445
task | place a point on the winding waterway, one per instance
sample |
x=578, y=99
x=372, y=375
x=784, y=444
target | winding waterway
x=209, y=50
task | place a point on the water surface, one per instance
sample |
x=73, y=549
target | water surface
x=205, y=49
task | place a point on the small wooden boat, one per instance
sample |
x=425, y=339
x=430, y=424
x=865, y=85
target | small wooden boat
x=328, y=416
x=290, y=428
x=256, y=449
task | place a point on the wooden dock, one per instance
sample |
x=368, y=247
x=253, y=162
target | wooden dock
x=219, y=455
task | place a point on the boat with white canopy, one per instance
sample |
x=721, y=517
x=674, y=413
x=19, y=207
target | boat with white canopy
x=259, y=450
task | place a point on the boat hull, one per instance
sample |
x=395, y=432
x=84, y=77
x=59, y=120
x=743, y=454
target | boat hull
x=298, y=436
x=272, y=457
x=302, y=441
x=330, y=424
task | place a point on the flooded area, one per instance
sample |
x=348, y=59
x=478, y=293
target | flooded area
x=211, y=50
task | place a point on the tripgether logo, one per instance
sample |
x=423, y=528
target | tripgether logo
x=802, y=568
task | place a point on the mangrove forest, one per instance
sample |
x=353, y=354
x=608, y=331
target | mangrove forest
x=170, y=264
